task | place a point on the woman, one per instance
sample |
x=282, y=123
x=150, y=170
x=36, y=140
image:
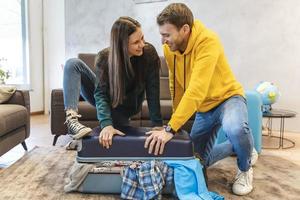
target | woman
x=126, y=70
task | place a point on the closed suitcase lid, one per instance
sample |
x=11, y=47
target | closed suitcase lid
x=131, y=146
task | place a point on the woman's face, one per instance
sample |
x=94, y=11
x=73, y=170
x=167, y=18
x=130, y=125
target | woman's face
x=136, y=43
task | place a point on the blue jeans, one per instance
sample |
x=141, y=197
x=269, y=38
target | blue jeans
x=80, y=79
x=232, y=117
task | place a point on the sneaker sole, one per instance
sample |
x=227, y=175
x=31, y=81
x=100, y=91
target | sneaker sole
x=242, y=193
x=82, y=133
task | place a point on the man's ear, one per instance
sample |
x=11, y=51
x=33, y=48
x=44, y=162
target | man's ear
x=186, y=28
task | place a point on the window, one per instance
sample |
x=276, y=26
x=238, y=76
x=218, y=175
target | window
x=14, y=40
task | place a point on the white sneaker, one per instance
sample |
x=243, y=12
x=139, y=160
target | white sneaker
x=76, y=129
x=254, y=157
x=243, y=182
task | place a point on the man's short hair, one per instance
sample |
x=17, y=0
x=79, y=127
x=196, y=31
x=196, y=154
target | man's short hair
x=177, y=14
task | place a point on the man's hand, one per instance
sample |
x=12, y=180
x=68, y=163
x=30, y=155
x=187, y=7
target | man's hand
x=157, y=128
x=106, y=135
x=157, y=140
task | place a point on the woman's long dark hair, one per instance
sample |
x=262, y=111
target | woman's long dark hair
x=118, y=59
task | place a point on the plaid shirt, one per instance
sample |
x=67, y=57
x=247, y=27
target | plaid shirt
x=145, y=180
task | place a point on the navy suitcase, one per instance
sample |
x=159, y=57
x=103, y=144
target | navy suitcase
x=131, y=147
x=126, y=148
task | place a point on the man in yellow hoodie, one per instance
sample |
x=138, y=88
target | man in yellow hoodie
x=202, y=82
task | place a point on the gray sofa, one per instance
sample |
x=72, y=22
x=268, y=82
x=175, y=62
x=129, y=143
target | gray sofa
x=14, y=121
x=88, y=112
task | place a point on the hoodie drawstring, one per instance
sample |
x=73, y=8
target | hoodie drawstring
x=174, y=77
x=184, y=74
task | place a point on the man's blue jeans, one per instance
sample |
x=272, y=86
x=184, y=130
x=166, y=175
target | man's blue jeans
x=232, y=117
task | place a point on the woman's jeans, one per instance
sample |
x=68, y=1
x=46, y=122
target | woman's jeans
x=232, y=117
x=80, y=79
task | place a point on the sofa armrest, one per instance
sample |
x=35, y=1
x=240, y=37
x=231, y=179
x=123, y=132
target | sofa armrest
x=21, y=97
x=57, y=113
x=57, y=97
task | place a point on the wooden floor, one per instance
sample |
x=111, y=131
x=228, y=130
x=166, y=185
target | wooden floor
x=41, y=136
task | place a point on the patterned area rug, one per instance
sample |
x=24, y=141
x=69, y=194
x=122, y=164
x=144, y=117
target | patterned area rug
x=274, y=178
x=41, y=172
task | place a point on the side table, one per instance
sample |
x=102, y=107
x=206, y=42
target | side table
x=282, y=115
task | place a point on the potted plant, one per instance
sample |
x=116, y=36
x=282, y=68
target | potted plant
x=4, y=75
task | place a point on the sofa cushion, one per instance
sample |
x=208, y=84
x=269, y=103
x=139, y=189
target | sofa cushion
x=87, y=111
x=164, y=68
x=6, y=92
x=164, y=89
x=12, y=117
x=88, y=59
x=165, y=107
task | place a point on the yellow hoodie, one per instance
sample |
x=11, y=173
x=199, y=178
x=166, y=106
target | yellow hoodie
x=203, y=78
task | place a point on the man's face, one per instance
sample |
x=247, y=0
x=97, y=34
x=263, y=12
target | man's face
x=171, y=36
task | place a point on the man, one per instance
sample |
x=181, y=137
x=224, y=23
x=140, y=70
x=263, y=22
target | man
x=201, y=81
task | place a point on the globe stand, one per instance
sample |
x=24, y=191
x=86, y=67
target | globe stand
x=282, y=115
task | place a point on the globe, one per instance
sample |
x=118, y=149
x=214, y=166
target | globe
x=269, y=93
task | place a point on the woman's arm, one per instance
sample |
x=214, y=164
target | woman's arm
x=101, y=92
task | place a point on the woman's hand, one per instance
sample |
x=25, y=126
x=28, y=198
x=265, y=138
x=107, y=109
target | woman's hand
x=106, y=135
